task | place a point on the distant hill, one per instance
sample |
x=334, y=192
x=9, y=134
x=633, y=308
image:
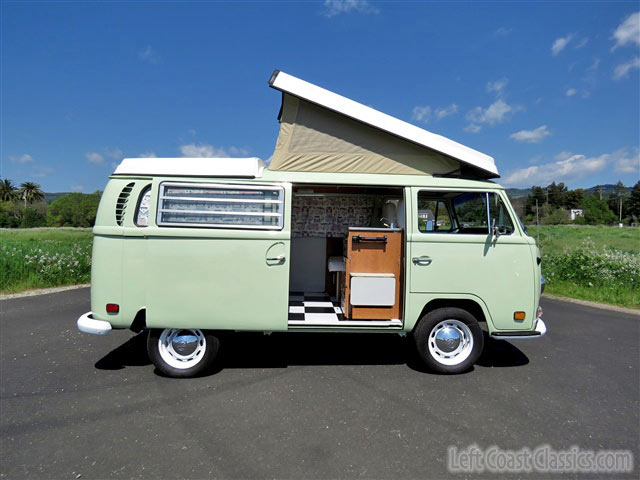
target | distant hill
x=50, y=197
x=606, y=190
x=517, y=193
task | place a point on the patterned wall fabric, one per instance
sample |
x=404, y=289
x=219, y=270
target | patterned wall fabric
x=330, y=216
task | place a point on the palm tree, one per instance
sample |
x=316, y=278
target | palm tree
x=7, y=190
x=30, y=192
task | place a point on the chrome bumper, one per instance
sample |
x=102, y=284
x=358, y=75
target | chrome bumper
x=539, y=331
x=87, y=324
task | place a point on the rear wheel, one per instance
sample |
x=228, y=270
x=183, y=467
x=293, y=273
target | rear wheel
x=182, y=353
x=448, y=340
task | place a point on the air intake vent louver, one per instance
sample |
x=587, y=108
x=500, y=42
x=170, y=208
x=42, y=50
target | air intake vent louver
x=121, y=204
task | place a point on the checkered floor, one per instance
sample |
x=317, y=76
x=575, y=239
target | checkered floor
x=314, y=308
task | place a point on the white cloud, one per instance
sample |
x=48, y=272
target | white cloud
x=571, y=92
x=95, y=158
x=497, y=86
x=147, y=155
x=239, y=151
x=563, y=155
x=337, y=7
x=495, y=113
x=594, y=65
x=531, y=136
x=113, y=153
x=582, y=42
x=622, y=70
x=24, y=158
x=624, y=163
x=421, y=113
x=568, y=167
x=503, y=32
x=149, y=55
x=628, y=32
x=443, y=112
x=77, y=188
x=472, y=128
x=202, y=150
x=560, y=44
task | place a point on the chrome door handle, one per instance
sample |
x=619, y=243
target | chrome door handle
x=424, y=260
x=279, y=258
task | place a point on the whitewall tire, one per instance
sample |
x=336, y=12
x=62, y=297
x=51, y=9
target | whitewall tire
x=448, y=340
x=182, y=352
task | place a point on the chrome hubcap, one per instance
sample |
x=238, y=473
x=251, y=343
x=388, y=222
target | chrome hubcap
x=450, y=342
x=448, y=339
x=184, y=343
x=182, y=348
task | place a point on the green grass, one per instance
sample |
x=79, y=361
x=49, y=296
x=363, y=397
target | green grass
x=600, y=264
x=560, y=238
x=44, y=257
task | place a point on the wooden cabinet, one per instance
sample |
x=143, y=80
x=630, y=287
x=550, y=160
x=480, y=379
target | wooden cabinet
x=374, y=257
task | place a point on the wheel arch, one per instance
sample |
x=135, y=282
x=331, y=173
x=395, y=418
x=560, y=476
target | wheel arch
x=475, y=307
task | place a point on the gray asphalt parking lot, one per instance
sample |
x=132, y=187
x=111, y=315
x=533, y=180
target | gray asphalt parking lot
x=301, y=405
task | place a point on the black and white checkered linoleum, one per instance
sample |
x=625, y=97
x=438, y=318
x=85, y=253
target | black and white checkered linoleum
x=314, y=308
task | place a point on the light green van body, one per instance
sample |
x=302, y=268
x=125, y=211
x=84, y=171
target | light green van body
x=219, y=279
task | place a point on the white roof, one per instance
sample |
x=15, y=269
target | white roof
x=312, y=93
x=192, y=167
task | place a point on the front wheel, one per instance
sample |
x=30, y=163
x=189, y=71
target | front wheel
x=448, y=340
x=182, y=353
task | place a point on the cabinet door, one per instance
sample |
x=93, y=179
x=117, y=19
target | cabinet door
x=381, y=252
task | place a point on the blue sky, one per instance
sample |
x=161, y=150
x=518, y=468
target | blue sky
x=550, y=90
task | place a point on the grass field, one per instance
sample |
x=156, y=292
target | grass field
x=44, y=257
x=601, y=264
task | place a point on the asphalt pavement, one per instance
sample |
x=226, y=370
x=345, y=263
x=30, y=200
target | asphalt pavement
x=302, y=405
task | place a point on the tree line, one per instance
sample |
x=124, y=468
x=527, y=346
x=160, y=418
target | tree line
x=24, y=206
x=551, y=205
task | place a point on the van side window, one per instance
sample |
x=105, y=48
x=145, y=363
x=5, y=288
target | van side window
x=471, y=212
x=500, y=214
x=433, y=215
x=142, y=212
x=220, y=206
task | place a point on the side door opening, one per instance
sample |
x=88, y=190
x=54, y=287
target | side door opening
x=347, y=256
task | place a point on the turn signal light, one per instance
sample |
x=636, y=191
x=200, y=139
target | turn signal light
x=519, y=315
x=113, y=308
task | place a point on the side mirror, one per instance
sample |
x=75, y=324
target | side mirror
x=495, y=230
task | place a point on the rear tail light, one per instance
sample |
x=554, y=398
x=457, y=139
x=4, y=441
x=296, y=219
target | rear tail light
x=539, y=312
x=113, y=308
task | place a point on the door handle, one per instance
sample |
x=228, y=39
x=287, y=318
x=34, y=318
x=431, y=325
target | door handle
x=424, y=260
x=279, y=258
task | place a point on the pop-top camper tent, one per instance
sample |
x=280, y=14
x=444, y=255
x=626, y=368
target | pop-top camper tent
x=321, y=131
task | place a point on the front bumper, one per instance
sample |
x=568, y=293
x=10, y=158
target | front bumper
x=87, y=324
x=539, y=331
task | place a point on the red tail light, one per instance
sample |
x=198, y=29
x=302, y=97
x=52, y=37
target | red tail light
x=113, y=308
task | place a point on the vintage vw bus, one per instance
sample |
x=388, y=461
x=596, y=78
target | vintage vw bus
x=360, y=223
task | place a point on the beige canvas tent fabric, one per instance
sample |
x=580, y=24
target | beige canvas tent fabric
x=315, y=139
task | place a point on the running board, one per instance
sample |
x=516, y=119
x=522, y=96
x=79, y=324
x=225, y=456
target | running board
x=395, y=323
